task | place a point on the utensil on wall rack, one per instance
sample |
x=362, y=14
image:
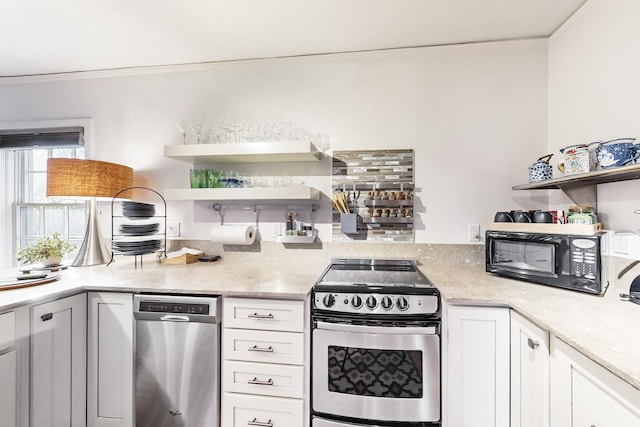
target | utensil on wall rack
x=340, y=202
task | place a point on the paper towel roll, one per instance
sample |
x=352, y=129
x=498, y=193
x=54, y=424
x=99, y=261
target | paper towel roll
x=233, y=234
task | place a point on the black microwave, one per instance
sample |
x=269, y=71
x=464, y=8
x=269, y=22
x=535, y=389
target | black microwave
x=560, y=260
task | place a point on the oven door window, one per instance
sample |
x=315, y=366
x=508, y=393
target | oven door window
x=374, y=372
x=522, y=256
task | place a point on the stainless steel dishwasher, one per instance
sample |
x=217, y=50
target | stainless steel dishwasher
x=177, y=356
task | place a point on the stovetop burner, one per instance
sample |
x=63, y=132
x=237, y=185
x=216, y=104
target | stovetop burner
x=374, y=273
x=379, y=287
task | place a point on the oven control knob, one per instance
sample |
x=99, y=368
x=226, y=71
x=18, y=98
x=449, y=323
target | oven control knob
x=402, y=303
x=386, y=303
x=356, y=301
x=328, y=300
x=371, y=302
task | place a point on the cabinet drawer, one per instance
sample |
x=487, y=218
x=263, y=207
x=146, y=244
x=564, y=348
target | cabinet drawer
x=263, y=346
x=7, y=330
x=272, y=315
x=263, y=378
x=242, y=411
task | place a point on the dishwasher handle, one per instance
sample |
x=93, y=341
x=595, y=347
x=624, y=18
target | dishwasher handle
x=174, y=318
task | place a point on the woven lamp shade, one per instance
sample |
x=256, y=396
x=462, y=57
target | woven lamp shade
x=88, y=178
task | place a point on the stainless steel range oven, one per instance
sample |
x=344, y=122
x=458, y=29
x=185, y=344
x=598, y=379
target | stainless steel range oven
x=375, y=345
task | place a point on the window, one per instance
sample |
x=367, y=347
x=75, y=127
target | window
x=35, y=216
x=25, y=212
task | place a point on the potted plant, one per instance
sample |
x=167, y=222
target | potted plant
x=48, y=250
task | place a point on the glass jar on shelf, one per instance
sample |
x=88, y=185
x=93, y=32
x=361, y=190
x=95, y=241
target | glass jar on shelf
x=582, y=215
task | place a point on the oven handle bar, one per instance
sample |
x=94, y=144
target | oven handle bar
x=409, y=330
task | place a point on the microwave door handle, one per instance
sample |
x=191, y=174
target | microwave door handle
x=411, y=330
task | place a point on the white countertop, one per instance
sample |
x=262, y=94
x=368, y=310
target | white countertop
x=605, y=329
x=230, y=278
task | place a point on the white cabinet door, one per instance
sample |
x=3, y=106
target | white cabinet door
x=477, y=367
x=9, y=388
x=110, y=360
x=583, y=393
x=529, y=374
x=58, y=363
x=8, y=370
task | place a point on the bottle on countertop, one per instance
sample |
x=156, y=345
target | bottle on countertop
x=290, y=224
x=296, y=224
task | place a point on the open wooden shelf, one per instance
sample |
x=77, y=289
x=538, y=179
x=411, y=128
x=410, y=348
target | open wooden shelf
x=244, y=152
x=582, y=188
x=252, y=193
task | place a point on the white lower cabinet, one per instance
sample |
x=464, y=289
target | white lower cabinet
x=110, y=360
x=9, y=387
x=583, y=393
x=529, y=374
x=9, y=368
x=477, y=373
x=263, y=367
x=58, y=363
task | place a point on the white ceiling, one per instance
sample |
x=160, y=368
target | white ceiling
x=45, y=36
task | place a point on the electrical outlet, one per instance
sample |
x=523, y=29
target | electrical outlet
x=173, y=229
x=621, y=243
x=474, y=232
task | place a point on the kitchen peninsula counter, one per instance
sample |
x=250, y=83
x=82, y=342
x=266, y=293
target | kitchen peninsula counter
x=227, y=278
x=603, y=328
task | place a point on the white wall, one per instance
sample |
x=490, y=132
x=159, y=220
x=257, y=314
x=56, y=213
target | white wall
x=594, y=91
x=475, y=115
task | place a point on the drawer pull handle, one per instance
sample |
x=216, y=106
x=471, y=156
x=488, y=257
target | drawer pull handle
x=532, y=344
x=255, y=422
x=260, y=316
x=46, y=317
x=265, y=350
x=255, y=380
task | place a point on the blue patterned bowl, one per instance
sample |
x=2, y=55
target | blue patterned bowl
x=618, y=152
